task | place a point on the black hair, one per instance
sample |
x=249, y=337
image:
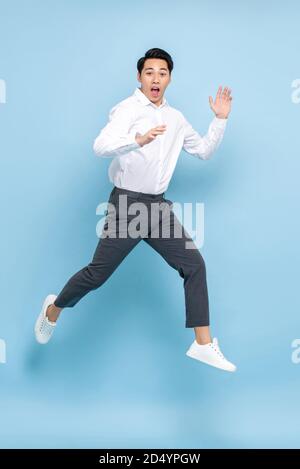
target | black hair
x=155, y=53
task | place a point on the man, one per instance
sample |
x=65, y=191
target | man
x=144, y=137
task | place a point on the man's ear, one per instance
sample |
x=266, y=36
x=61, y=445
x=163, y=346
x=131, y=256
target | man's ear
x=138, y=76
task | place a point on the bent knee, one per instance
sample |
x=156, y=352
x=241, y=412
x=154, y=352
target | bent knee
x=199, y=266
x=196, y=266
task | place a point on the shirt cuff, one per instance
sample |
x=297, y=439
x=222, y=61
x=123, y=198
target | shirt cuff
x=132, y=141
x=219, y=122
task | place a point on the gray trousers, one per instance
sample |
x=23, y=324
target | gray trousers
x=121, y=234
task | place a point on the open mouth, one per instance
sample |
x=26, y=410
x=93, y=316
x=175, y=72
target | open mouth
x=155, y=91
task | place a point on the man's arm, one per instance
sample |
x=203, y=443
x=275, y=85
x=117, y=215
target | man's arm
x=115, y=138
x=203, y=147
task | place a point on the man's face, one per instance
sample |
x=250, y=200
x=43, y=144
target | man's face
x=155, y=74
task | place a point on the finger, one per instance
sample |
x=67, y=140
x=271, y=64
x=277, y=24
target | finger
x=228, y=94
x=224, y=94
x=219, y=91
x=159, y=130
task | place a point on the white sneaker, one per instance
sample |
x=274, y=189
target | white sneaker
x=210, y=354
x=43, y=327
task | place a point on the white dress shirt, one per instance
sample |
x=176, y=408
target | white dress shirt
x=149, y=168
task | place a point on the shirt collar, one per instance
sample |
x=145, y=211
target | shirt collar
x=145, y=101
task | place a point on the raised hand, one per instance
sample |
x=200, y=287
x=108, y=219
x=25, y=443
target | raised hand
x=222, y=104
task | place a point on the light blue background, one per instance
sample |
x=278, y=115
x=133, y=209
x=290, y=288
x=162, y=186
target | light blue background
x=116, y=374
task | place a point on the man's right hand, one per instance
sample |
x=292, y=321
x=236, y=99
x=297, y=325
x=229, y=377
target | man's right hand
x=150, y=135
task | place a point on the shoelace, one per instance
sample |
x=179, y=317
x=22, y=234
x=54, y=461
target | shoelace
x=45, y=327
x=215, y=346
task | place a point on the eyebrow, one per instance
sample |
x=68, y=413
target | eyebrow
x=151, y=68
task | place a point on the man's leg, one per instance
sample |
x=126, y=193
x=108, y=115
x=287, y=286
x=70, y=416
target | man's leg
x=110, y=252
x=108, y=255
x=191, y=267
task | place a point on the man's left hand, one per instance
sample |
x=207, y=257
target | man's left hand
x=222, y=104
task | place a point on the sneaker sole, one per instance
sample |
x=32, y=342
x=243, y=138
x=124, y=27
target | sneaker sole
x=191, y=355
